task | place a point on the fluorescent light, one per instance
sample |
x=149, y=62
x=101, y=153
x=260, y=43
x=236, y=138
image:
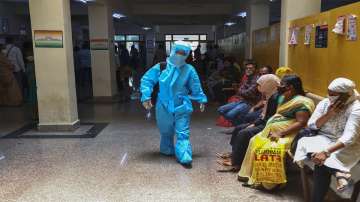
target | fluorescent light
x=230, y=24
x=242, y=14
x=118, y=15
x=83, y=1
x=147, y=28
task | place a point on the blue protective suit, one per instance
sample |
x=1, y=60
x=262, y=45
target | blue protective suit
x=178, y=85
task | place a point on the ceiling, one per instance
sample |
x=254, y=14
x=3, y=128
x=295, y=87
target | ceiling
x=181, y=12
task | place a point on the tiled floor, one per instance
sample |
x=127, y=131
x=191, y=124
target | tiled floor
x=121, y=164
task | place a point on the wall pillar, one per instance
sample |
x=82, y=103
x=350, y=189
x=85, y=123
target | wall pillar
x=55, y=75
x=291, y=10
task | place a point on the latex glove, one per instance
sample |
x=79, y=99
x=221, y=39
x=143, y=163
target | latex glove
x=147, y=104
x=202, y=107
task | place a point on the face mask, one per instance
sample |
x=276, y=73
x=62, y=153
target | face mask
x=178, y=60
x=333, y=99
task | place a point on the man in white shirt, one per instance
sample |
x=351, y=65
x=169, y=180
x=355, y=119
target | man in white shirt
x=15, y=56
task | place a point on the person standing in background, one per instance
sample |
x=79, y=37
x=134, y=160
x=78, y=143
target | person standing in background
x=160, y=54
x=15, y=56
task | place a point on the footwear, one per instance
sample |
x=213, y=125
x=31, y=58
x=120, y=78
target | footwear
x=229, y=170
x=224, y=155
x=186, y=165
x=343, y=181
x=243, y=179
x=224, y=162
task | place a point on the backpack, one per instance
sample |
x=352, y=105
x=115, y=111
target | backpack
x=156, y=87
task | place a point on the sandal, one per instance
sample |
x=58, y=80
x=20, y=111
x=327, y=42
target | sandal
x=224, y=155
x=224, y=162
x=343, y=182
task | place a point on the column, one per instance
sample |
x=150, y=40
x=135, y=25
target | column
x=258, y=15
x=103, y=66
x=291, y=10
x=50, y=20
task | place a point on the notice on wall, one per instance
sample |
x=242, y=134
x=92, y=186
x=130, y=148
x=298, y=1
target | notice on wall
x=308, y=30
x=340, y=25
x=321, y=36
x=351, y=28
x=99, y=44
x=294, y=33
x=48, y=39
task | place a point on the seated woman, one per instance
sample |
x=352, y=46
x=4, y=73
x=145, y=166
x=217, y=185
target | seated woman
x=241, y=136
x=336, y=147
x=267, y=148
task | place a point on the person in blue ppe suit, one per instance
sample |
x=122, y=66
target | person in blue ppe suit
x=179, y=84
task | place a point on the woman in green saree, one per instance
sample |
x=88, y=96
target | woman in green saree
x=263, y=165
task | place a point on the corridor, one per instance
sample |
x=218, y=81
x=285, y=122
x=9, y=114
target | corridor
x=122, y=163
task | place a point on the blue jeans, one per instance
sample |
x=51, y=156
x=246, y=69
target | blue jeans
x=232, y=111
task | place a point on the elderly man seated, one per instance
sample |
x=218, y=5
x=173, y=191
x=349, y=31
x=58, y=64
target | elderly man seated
x=335, y=148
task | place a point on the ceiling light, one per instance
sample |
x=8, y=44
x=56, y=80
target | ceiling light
x=147, y=28
x=83, y=1
x=118, y=15
x=242, y=14
x=230, y=24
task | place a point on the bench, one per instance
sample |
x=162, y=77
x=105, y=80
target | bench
x=350, y=194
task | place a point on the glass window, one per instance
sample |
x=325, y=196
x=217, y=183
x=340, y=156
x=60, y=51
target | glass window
x=203, y=48
x=168, y=47
x=203, y=37
x=132, y=38
x=168, y=37
x=129, y=44
x=119, y=38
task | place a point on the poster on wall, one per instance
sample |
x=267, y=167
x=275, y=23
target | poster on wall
x=99, y=44
x=294, y=33
x=340, y=25
x=48, y=39
x=308, y=30
x=321, y=36
x=351, y=28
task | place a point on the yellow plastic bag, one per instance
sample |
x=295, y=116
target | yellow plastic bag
x=268, y=164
